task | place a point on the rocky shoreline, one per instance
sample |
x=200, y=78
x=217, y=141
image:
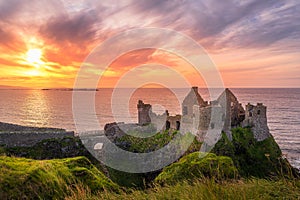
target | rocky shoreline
x=16, y=128
x=12, y=135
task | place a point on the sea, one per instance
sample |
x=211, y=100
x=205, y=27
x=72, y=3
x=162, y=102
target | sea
x=54, y=108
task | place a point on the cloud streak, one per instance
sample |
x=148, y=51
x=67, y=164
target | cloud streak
x=68, y=30
x=78, y=29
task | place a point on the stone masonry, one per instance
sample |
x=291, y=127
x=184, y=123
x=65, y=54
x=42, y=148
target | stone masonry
x=199, y=116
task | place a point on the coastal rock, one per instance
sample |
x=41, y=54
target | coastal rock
x=113, y=131
x=12, y=135
x=253, y=157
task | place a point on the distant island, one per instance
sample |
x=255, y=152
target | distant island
x=72, y=89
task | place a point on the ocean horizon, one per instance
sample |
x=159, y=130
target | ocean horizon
x=53, y=108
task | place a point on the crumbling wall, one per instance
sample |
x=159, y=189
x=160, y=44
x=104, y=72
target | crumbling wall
x=256, y=118
x=198, y=116
x=144, y=111
x=234, y=112
x=193, y=98
x=159, y=121
x=173, y=122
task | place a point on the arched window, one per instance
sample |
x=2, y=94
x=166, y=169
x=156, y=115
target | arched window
x=258, y=112
x=250, y=114
x=168, y=125
x=177, y=125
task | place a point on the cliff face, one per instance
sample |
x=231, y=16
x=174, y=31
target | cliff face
x=243, y=156
x=253, y=157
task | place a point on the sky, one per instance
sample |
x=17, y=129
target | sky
x=252, y=43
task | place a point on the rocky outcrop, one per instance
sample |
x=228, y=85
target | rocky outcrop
x=115, y=130
x=22, y=136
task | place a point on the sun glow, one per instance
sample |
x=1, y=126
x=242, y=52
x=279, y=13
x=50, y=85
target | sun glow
x=33, y=56
x=33, y=73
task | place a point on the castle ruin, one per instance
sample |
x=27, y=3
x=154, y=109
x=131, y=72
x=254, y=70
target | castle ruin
x=199, y=116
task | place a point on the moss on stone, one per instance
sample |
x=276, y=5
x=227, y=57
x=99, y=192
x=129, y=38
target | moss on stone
x=145, y=145
x=198, y=165
x=48, y=179
x=251, y=157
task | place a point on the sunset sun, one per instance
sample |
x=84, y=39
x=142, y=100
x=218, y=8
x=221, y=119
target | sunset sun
x=33, y=56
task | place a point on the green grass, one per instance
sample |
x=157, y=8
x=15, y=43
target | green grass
x=22, y=178
x=76, y=178
x=263, y=174
x=254, y=158
x=144, y=145
x=205, y=189
x=198, y=166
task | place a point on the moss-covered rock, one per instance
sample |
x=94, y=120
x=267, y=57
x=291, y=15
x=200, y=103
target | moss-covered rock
x=51, y=148
x=145, y=145
x=55, y=148
x=198, y=165
x=251, y=157
x=22, y=178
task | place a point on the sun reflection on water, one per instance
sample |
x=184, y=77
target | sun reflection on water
x=36, y=108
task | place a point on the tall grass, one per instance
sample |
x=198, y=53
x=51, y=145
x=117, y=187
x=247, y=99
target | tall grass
x=22, y=178
x=204, y=189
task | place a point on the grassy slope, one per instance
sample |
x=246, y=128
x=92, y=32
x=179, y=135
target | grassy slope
x=75, y=178
x=254, y=158
x=26, y=178
x=78, y=179
x=207, y=189
x=198, y=166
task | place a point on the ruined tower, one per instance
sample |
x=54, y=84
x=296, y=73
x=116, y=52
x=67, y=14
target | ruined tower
x=233, y=112
x=193, y=98
x=256, y=118
x=189, y=124
x=144, y=111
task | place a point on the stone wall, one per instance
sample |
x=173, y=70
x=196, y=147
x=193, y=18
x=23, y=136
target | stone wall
x=144, y=111
x=193, y=98
x=234, y=112
x=256, y=118
x=198, y=116
x=173, y=122
x=159, y=121
x=224, y=114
